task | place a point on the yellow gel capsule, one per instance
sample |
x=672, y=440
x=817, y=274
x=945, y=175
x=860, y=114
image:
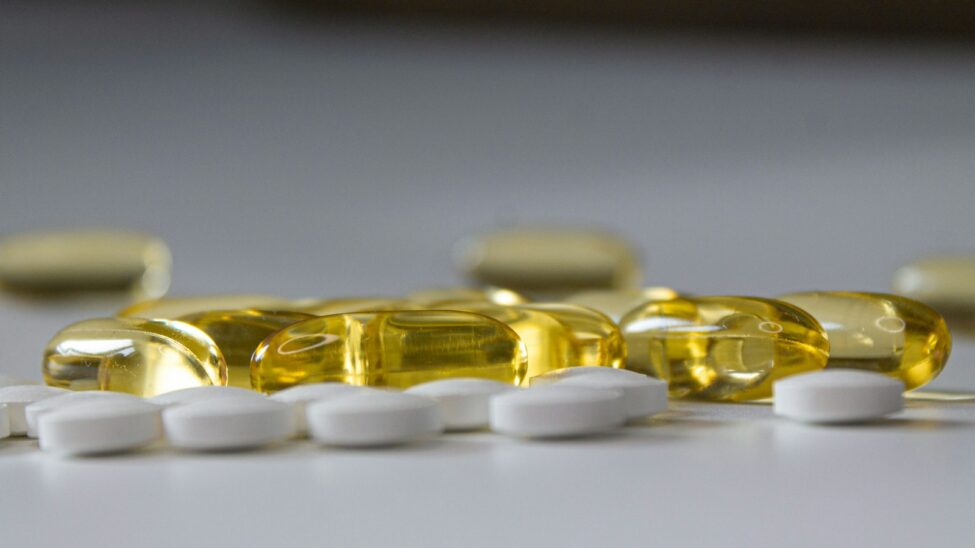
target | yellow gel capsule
x=615, y=303
x=558, y=335
x=877, y=332
x=396, y=348
x=326, y=307
x=722, y=348
x=85, y=260
x=239, y=332
x=550, y=260
x=947, y=284
x=433, y=298
x=141, y=357
x=172, y=308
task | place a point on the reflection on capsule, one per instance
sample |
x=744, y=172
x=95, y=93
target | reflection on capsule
x=615, y=303
x=441, y=297
x=325, y=307
x=171, y=308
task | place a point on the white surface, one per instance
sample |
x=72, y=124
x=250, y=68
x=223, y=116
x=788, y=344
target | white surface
x=222, y=424
x=557, y=411
x=641, y=397
x=185, y=396
x=99, y=427
x=33, y=411
x=17, y=398
x=837, y=396
x=300, y=396
x=338, y=159
x=374, y=419
x=464, y=402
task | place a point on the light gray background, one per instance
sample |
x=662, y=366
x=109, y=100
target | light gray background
x=337, y=157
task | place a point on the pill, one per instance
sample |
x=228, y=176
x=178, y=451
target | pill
x=202, y=393
x=947, y=284
x=887, y=334
x=374, y=419
x=84, y=260
x=433, y=298
x=9, y=380
x=16, y=398
x=550, y=260
x=558, y=335
x=33, y=411
x=325, y=307
x=569, y=372
x=838, y=396
x=4, y=422
x=237, y=334
x=557, y=411
x=301, y=395
x=464, y=402
x=174, y=307
x=224, y=424
x=397, y=349
x=642, y=395
x=132, y=355
x=99, y=427
x=722, y=348
x=615, y=303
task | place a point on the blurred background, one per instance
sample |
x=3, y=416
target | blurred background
x=324, y=149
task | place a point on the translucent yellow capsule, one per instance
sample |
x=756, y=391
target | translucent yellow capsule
x=945, y=283
x=239, y=332
x=722, y=348
x=142, y=357
x=615, y=303
x=888, y=334
x=432, y=298
x=558, y=335
x=85, y=260
x=550, y=260
x=325, y=307
x=397, y=349
x=175, y=307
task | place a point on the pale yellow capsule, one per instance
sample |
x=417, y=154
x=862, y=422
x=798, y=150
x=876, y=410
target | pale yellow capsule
x=172, y=308
x=137, y=356
x=441, y=297
x=325, y=307
x=85, y=260
x=945, y=283
x=615, y=303
x=878, y=332
x=550, y=260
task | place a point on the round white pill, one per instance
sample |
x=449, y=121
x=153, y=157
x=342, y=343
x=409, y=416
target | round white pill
x=99, y=426
x=8, y=380
x=223, y=424
x=19, y=397
x=556, y=411
x=4, y=422
x=568, y=372
x=463, y=401
x=642, y=395
x=837, y=396
x=300, y=396
x=374, y=419
x=202, y=393
x=33, y=411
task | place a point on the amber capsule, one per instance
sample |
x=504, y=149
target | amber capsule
x=558, y=335
x=722, y=348
x=615, y=303
x=141, y=357
x=325, y=307
x=396, y=348
x=441, y=297
x=172, y=308
x=237, y=334
x=947, y=284
x=888, y=334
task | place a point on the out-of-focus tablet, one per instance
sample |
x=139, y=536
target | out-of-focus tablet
x=837, y=396
x=569, y=372
x=557, y=411
x=642, y=395
x=18, y=397
x=99, y=426
x=201, y=393
x=374, y=419
x=33, y=411
x=8, y=380
x=4, y=422
x=464, y=401
x=301, y=395
x=224, y=424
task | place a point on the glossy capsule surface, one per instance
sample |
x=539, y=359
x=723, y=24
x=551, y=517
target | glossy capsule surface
x=141, y=357
x=239, y=332
x=441, y=297
x=174, y=307
x=615, y=303
x=325, y=307
x=722, y=348
x=947, y=284
x=397, y=349
x=558, y=335
x=877, y=332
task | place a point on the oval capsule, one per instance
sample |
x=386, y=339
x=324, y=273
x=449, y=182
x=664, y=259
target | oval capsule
x=85, y=260
x=947, y=284
x=141, y=357
x=396, y=348
x=239, y=332
x=615, y=303
x=722, y=348
x=326, y=307
x=877, y=332
x=441, y=297
x=174, y=307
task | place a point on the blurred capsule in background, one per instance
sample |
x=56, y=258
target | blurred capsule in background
x=945, y=283
x=431, y=298
x=550, y=262
x=239, y=332
x=397, y=349
x=325, y=307
x=722, y=348
x=85, y=260
x=615, y=303
x=136, y=356
x=172, y=308
x=877, y=332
